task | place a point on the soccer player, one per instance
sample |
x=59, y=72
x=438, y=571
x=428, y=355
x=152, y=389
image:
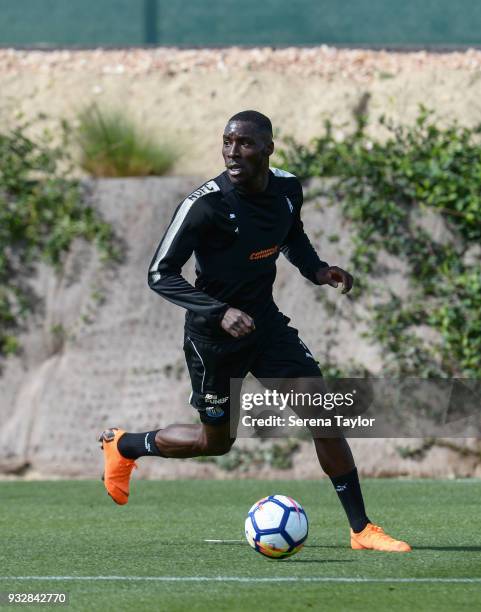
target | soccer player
x=237, y=224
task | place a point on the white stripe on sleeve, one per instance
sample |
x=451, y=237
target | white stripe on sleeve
x=179, y=218
x=284, y=173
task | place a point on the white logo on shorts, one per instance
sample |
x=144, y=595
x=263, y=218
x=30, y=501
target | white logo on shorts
x=308, y=354
x=213, y=399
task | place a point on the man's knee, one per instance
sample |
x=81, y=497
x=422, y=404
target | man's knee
x=219, y=448
x=215, y=445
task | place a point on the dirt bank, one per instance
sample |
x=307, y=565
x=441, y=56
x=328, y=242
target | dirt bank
x=187, y=95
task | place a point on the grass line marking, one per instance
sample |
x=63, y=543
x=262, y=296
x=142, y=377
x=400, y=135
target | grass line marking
x=332, y=579
x=224, y=541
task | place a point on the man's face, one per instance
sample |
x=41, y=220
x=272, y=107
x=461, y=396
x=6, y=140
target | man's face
x=246, y=150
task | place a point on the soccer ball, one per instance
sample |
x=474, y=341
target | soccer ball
x=276, y=526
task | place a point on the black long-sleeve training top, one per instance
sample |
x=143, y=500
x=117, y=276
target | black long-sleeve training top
x=236, y=238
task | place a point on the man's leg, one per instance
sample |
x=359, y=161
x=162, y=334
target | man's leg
x=179, y=441
x=121, y=449
x=332, y=449
x=287, y=357
x=211, y=366
x=334, y=456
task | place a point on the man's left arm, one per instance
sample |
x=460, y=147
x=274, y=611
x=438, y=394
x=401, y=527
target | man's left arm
x=299, y=251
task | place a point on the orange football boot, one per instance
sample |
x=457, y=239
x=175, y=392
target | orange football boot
x=372, y=537
x=117, y=469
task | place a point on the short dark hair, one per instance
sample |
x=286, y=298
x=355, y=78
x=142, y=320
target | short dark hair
x=258, y=119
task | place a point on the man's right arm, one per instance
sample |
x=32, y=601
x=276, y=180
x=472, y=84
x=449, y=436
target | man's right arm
x=175, y=248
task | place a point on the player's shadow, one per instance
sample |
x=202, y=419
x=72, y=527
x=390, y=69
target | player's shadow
x=327, y=546
x=318, y=560
x=440, y=548
x=450, y=548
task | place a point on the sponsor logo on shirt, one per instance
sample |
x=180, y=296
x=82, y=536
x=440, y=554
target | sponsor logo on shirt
x=264, y=253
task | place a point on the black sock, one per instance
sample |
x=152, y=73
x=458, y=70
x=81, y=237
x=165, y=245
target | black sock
x=349, y=491
x=135, y=445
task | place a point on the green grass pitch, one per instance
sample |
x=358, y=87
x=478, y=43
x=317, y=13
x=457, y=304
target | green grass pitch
x=156, y=545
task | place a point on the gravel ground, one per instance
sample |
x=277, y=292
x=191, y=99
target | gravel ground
x=328, y=62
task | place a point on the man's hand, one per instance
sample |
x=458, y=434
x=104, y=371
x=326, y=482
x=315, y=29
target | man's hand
x=237, y=323
x=333, y=275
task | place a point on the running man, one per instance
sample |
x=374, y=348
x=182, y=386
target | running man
x=237, y=224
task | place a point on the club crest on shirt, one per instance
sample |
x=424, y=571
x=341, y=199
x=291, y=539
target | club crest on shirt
x=214, y=411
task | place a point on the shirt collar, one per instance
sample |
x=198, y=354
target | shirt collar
x=227, y=186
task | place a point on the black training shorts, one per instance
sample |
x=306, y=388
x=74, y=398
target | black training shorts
x=277, y=352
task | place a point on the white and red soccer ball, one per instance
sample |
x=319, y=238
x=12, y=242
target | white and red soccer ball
x=276, y=526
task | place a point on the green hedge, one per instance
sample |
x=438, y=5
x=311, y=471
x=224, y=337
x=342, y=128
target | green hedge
x=41, y=213
x=385, y=188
